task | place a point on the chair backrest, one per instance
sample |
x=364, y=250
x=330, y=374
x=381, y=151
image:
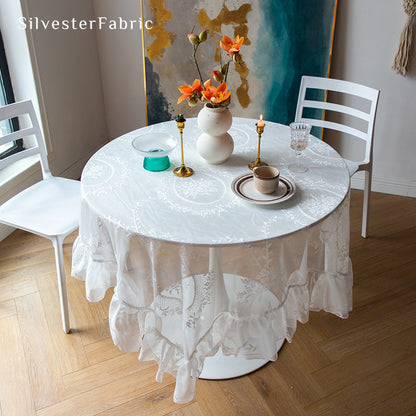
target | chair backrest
x=17, y=110
x=348, y=112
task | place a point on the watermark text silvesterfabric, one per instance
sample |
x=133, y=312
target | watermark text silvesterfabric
x=102, y=22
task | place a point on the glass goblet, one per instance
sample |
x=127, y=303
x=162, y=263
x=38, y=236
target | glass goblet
x=155, y=147
x=299, y=136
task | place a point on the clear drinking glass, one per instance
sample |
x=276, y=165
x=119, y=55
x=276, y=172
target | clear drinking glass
x=299, y=136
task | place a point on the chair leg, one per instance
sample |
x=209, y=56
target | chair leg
x=366, y=203
x=60, y=269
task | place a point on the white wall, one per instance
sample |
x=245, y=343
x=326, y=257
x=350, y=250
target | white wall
x=68, y=81
x=366, y=39
x=121, y=60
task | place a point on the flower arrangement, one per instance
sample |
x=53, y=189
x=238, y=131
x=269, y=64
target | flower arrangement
x=206, y=92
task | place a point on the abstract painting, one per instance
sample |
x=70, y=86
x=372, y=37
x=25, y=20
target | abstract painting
x=283, y=40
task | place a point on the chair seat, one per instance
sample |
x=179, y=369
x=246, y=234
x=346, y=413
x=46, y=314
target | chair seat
x=48, y=208
x=352, y=166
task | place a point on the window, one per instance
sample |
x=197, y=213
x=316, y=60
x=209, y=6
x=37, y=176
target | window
x=7, y=97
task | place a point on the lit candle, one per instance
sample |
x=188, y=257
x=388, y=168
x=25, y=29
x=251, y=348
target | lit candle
x=260, y=123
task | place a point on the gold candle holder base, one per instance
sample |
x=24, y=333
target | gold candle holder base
x=256, y=163
x=183, y=171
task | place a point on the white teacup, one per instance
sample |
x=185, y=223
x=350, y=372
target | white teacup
x=266, y=179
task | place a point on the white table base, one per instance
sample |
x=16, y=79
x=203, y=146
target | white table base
x=220, y=367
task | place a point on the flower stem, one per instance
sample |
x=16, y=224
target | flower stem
x=226, y=72
x=196, y=64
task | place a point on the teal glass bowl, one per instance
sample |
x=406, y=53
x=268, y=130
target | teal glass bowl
x=155, y=147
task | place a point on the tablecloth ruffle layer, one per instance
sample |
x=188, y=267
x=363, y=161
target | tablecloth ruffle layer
x=167, y=302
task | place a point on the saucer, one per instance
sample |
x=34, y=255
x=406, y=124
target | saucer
x=243, y=187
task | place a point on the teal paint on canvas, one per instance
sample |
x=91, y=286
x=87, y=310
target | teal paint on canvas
x=297, y=34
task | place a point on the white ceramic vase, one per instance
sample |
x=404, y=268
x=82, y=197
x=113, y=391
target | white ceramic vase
x=215, y=145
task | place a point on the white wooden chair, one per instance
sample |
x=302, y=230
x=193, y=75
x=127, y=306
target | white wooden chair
x=348, y=125
x=49, y=208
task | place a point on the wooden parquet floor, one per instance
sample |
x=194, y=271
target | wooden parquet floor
x=362, y=366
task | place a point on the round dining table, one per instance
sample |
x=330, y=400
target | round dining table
x=203, y=266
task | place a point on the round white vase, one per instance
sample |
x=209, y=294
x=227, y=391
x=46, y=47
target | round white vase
x=215, y=145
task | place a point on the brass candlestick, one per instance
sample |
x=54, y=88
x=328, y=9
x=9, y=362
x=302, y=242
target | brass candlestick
x=258, y=162
x=182, y=171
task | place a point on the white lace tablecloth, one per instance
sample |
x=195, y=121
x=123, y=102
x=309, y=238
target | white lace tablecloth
x=163, y=242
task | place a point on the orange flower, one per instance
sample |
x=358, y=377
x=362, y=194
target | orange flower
x=231, y=47
x=217, y=96
x=190, y=91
